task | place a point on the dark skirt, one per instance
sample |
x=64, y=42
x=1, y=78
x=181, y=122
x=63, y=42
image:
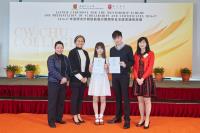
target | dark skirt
x=147, y=89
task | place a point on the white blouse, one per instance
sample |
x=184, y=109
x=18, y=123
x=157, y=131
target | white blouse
x=83, y=64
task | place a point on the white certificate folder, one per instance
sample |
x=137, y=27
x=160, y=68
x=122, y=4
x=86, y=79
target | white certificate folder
x=114, y=65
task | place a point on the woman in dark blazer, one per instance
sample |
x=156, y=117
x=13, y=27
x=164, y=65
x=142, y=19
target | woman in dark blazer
x=79, y=60
x=58, y=75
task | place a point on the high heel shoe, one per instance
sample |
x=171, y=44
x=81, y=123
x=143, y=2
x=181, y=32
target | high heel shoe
x=81, y=121
x=146, y=127
x=77, y=123
x=140, y=124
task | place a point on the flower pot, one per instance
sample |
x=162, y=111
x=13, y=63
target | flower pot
x=10, y=74
x=158, y=76
x=185, y=77
x=30, y=74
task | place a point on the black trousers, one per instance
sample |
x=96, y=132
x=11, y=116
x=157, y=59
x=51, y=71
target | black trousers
x=120, y=86
x=56, y=101
x=76, y=99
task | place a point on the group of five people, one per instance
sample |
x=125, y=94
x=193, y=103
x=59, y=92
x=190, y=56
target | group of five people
x=77, y=68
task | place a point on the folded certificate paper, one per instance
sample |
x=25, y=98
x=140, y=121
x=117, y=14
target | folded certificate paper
x=114, y=65
x=98, y=65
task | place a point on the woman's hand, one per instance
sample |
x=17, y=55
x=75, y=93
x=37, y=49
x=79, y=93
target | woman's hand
x=106, y=66
x=90, y=67
x=63, y=80
x=140, y=81
x=84, y=80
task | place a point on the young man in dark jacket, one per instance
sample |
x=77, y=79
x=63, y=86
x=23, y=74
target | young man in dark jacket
x=120, y=81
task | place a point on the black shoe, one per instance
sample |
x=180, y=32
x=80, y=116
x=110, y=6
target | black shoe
x=61, y=122
x=140, y=124
x=77, y=123
x=115, y=120
x=147, y=127
x=81, y=121
x=52, y=125
x=126, y=124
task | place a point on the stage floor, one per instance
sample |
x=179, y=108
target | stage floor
x=173, y=98
x=37, y=123
x=43, y=81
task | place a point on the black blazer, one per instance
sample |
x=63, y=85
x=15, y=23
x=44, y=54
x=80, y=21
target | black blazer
x=75, y=62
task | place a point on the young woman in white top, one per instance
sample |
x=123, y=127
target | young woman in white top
x=99, y=86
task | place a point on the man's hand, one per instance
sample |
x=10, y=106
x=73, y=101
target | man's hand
x=123, y=64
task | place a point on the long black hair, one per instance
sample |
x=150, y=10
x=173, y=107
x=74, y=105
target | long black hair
x=138, y=51
x=101, y=45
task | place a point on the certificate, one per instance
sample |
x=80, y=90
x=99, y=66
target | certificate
x=98, y=65
x=114, y=65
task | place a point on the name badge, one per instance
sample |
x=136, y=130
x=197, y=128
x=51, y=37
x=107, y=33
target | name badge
x=145, y=55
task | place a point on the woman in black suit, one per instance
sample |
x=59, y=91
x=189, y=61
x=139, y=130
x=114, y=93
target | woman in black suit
x=80, y=61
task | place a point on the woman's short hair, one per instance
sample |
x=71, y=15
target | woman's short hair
x=58, y=42
x=79, y=36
